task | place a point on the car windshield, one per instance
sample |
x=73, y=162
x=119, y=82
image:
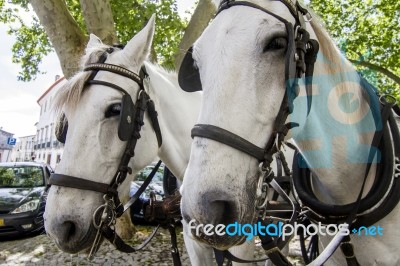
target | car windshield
x=21, y=176
x=158, y=177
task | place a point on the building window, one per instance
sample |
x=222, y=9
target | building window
x=41, y=135
x=46, y=134
x=48, y=158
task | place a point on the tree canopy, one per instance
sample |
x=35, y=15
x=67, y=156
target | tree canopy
x=368, y=32
x=113, y=21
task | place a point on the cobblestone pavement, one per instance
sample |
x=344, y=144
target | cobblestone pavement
x=40, y=250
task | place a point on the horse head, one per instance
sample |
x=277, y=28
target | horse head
x=242, y=62
x=96, y=128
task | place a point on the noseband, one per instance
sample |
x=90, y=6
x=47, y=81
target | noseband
x=300, y=58
x=131, y=122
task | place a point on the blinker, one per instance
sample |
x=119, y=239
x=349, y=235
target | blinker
x=61, y=128
x=189, y=75
x=125, y=127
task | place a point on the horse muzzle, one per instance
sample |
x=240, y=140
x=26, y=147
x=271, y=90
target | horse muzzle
x=69, y=234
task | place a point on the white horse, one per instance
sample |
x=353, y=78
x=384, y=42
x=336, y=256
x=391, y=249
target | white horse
x=93, y=149
x=240, y=58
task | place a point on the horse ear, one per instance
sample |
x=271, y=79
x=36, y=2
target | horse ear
x=93, y=41
x=138, y=48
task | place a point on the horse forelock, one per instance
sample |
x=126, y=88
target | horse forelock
x=71, y=93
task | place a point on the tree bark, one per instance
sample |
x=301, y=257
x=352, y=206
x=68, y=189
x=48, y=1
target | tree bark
x=202, y=15
x=99, y=20
x=64, y=33
x=380, y=69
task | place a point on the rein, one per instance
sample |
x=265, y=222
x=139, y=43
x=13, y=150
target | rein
x=131, y=122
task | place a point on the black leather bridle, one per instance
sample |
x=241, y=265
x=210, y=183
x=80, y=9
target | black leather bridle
x=131, y=122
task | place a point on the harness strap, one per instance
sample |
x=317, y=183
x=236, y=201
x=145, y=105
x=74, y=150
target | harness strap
x=80, y=183
x=310, y=59
x=273, y=251
x=116, y=70
x=107, y=84
x=348, y=251
x=228, y=138
x=154, y=121
x=312, y=248
x=142, y=187
x=174, y=245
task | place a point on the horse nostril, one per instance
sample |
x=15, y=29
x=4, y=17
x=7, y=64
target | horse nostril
x=68, y=229
x=211, y=208
x=225, y=211
x=220, y=212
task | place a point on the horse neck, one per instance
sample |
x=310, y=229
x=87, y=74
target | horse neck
x=335, y=138
x=177, y=114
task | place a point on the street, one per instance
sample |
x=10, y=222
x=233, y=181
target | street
x=40, y=250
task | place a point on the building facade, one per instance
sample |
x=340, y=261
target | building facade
x=23, y=151
x=5, y=149
x=47, y=148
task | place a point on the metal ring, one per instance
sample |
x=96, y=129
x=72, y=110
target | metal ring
x=106, y=217
x=387, y=99
x=296, y=30
x=101, y=208
x=260, y=207
x=260, y=186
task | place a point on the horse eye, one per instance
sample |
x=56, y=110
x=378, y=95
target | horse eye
x=276, y=44
x=113, y=110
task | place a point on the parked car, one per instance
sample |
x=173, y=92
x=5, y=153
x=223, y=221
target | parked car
x=22, y=197
x=162, y=184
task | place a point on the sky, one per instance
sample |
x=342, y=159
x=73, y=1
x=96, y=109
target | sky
x=19, y=110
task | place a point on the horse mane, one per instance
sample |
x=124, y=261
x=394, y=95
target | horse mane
x=328, y=48
x=337, y=65
x=71, y=93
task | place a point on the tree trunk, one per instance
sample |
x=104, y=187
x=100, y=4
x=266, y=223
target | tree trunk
x=201, y=17
x=99, y=20
x=64, y=33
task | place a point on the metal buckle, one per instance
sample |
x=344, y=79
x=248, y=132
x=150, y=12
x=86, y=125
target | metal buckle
x=387, y=99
